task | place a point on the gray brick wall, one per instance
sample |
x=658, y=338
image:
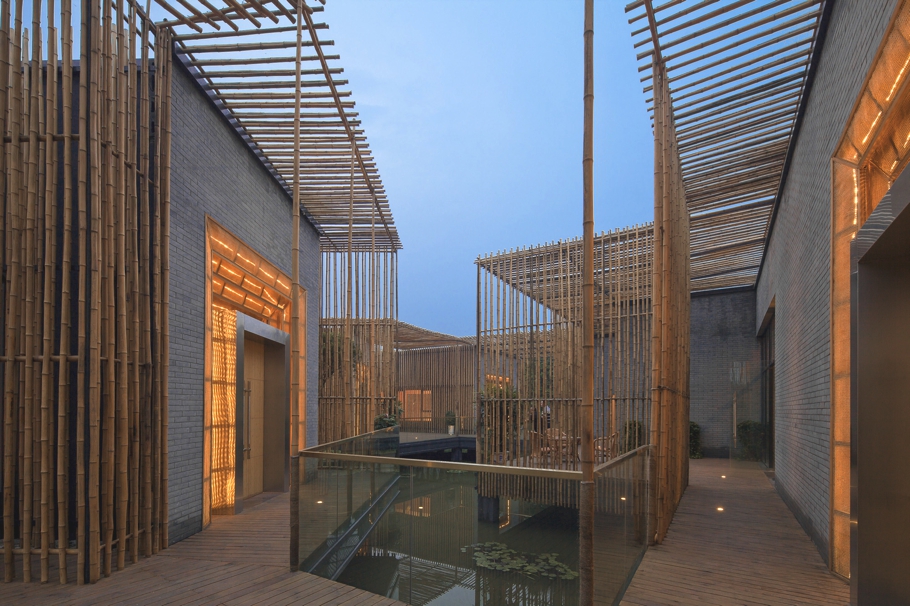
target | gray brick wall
x=797, y=268
x=214, y=173
x=725, y=360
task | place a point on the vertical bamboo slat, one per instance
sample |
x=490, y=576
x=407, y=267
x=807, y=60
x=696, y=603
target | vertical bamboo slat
x=72, y=406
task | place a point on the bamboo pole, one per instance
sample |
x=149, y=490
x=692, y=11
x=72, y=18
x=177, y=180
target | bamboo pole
x=122, y=409
x=63, y=419
x=50, y=237
x=165, y=59
x=33, y=85
x=84, y=128
x=586, y=513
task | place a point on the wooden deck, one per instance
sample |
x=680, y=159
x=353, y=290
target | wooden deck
x=238, y=560
x=752, y=552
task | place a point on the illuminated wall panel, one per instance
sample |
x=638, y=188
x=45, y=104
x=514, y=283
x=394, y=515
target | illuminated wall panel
x=873, y=151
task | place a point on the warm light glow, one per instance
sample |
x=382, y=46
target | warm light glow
x=872, y=128
x=622, y=498
x=897, y=80
x=319, y=502
x=724, y=477
x=720, y=509
x=420, y=507
x=855, y=199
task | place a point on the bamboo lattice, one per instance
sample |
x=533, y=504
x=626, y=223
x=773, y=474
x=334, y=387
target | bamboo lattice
x=85, y=172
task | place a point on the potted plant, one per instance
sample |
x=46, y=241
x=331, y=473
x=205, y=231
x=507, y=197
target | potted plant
x=450, y=422
x=384, y=421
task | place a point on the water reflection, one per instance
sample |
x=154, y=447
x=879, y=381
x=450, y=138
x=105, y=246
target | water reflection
x=431, y=548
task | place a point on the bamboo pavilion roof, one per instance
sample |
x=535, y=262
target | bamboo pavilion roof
x=738, y=72
x=409, y=336
x=551, y=273
x=244, y=54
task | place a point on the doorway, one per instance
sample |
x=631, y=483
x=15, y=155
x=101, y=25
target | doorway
x=262, y=411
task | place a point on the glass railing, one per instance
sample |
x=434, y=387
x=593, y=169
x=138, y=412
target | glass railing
x=440, y=532
x=456, y=426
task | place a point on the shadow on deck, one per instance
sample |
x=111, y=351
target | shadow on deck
x=752, y=552
x=238, y=560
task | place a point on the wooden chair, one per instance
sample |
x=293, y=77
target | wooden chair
x=605, y=446
x=540, y=445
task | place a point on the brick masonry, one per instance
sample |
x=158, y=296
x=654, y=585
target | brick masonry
x=796, y=274
x=725, y=361
x=214, y=173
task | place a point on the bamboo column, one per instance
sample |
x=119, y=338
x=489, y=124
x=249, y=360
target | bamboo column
x=295, y=312
x=586, y=513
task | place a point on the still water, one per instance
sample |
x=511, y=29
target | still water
x=430, y=547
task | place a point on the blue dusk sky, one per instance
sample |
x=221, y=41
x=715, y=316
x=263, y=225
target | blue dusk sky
x=473, y=110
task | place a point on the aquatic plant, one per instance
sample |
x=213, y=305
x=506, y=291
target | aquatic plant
x=498, y=556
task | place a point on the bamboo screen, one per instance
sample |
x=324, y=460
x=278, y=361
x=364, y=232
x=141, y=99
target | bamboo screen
x=222, y=477
x=873, y=152
x=434, y=383
x=670, y=337
x=529, y=335
x=84, y=178
x=358, y=316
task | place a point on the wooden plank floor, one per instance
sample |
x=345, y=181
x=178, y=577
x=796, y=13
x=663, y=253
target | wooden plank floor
x=236, y=561
x=752, y=552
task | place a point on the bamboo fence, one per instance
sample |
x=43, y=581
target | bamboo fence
x=529, y=335
x=358, y=317
x=737, y=74
x=85, y=173
x=670, y=326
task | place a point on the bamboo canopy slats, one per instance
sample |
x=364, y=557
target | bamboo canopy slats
x=737, y=74
x=262, y=106
x=74, y=416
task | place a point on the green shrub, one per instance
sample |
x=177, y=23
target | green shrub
x=450, y=417
x=751, y=438
x=383, y=421
x=633, y=436
x=695, y=441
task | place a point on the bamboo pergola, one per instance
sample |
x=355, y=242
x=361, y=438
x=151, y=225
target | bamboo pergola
x=529, y=370
x=737, y=75
x=84, y=184
x=246, y=55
